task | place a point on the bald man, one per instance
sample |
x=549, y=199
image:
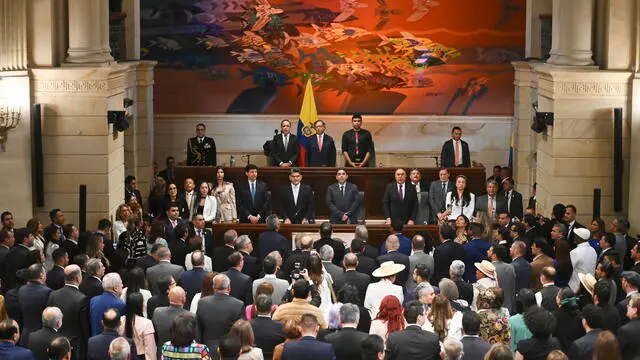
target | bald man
x=75, y=310
x=39, y=340
x=163, y=316
x=352, y=277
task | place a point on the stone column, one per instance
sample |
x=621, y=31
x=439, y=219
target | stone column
x=89, y=32
x=13, y=37
x=145, y=128
x=572, y=33
x=132, y=28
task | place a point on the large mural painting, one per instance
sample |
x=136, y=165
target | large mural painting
x=445, y=57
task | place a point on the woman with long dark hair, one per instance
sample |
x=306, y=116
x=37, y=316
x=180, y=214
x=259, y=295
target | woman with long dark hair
x=136, y=282
x=36, y=228
x=225, y=193
x=519, y=330
x=389, y=318
x=157, y=235
x=322, y=281
x=135, y=326
x=597, y=228
x=541, y=324
x=462, y=225
x=460, y=201
x=443, y=320
x=205, y=290
x=156, y=198
x=568, y=318
x=207, y=205
x=52, y=242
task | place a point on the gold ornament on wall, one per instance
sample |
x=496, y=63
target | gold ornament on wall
x=9, y=119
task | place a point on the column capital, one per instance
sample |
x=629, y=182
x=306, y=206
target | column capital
x=572, y=33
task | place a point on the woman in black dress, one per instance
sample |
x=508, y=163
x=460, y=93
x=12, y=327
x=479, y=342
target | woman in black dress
x=568, y=318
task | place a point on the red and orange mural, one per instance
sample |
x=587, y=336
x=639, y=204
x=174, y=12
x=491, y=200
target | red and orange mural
x=446, y=57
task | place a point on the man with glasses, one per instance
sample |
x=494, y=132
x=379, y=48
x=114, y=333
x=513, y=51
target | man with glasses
x=201, y=150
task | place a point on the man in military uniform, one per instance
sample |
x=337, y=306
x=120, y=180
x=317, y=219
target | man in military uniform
x=201, y=150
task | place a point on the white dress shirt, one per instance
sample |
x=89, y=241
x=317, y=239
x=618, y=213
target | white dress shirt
x=296, y=191
x=583, y=260
x=401, y=188
x=457, y=209
x=285, y=141
x=453, y=142
x=377, y=291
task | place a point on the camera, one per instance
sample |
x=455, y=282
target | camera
x=295, y=274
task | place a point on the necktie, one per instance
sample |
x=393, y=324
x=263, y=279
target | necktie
x=342, y=190
x=444, y=189
x=200, y=140
x=357, y=144
x=319, y=142
x=295, y=195
x=286, y=142
x=457, y=154
x=509, y=202
x=418, y=191
x=490, y=207
x=400, y=191
x=174, y=223
x=253, y=191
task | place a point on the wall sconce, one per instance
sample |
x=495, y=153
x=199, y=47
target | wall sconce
x=9, y=119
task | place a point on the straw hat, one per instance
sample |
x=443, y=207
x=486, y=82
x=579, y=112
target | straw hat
x=582, y=233
x=486, y=268
x=387, y=268
x=588, y=281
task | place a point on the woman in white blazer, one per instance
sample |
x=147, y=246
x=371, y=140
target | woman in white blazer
x=207, y=205
x=460, y=201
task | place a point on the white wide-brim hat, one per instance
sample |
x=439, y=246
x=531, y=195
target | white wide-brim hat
x=486, y=268
x=387, y=268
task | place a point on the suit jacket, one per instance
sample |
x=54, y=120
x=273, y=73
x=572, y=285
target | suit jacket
x=168, y=176
x=397, y=258
x=14, y=352
x=220, y=255
x=39, y=342
x=465, y=290
x=347, y=343
x=353, y=277
x=482, y=204
x=515, y=209
x=170, y=228
x=366, y=265
x=71, y=248
x=582, y=348
x=282, y=155
x=18, y=258
x=187, y=210
x=303, y=209
x=332, y=269
x=339, y=205
x=240, y=285
x=443, y=256
x=280, y=287
x=308, y=348
x=336, y=245
x=269, y=241
x=628, y=261
x=396, y=208
x=251, y=266
x=536, y=269
x=475, y=251
x=247, y=206
x=191, y=282
x=207, y=241
x=163, y=319
x=179, y=250
x=211, y=328
x=628, y=338
x=201, y=154
x=55, y=277
x=474, y=348
x=549, y=294
x=146, y=262
x=610, y=317
x=91, y=287
x=268, y=334
x=522, y=269
x=420, y=257
x=163, y=268
x=12, y=305
x=324, y=157
x=448, y=154
x=98, y=305
x=33, y=300
x=75, y=310
x=506, y=278
x=437, y=199
x=98, y=348
x=412, y=343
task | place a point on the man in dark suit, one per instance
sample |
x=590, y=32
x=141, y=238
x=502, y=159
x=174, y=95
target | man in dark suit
x=347, y=342
x=284, y=146
x=18, y=257
x=191, y=280
x=240, y=283
x=169, y=173
x=221, y=253
x=628, y=333
x=322, y=148
x=39, y=340
x=197, y=228
x=455, y=152
x=57, y=221
x=438, y=190
x=55, y=276
x=165, y=284
x=251, y=263
x=271, y=240
x=9, y=337
x=163, y=316
x=98, y=347
x=416, y=180
x=164, y=267
x=352, y=277
x=227, y=308
x=474, y=347
x=343, y=200
x=72, y=235
x=91, y=285
x=75, y=309
x=445, y=253
x=267, y=333
x=400, y=200
x=514, y=199
x=592, y=319
x=413, y=342
x=7, y=240
x=188, y=197
x=298, y=200
x=393, y=244
x=201, y=149
x=357, y=144
x=325, y=239
x=178, y=247
x=520, y=265
x=630, y=281
x=131, y=190
x=173, y=219
x=150, y=259
x=366, y=265
x=492, y=203
x=308, y=347
x=253, y=198
x=33, y=300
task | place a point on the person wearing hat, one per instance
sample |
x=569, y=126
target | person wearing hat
x=486, y=279
x=630, y=281
x=387, y=273
x=588, y=281
x=628, y=333
x=583, y=257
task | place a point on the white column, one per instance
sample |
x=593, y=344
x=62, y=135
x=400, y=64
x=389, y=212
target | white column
x=572, y=33
x=89, y=32
x=132, y=28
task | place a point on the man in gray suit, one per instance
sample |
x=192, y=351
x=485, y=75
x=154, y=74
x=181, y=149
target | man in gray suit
x=163, y=267
x=163, y=316
x=343, y=200
x=419, y=256
x=270, y=266
x=506, y=276
x=437, y=194
x=227, y=309
x=423, y=196
x=492, y=203
x=326, y=255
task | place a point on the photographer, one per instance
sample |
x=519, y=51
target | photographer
x=300, y=304
x=298, y=259
x=300, y=273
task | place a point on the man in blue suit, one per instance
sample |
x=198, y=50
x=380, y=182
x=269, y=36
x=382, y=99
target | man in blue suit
x=272, y=240
x=9, y=336
x=33, y=300
x=308, y=347
x=99, y=344
x=191, y=281
x=405, y=242
x=475, y=251
x=322, y=148
x=110, y=299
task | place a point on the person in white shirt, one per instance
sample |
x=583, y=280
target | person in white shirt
x=206, y=204
x=387, y=272
x=583, y=257
x=460, y=201
x=485, y=279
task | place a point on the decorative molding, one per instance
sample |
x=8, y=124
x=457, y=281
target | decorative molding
x=591, y=88
x=70, y=85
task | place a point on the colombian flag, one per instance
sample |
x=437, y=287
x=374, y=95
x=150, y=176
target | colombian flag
x=308, y=116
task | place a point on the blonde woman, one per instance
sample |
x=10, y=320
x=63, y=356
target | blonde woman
x=207, y=205
x=36, y=228
x=122, y=219
x=225, y=193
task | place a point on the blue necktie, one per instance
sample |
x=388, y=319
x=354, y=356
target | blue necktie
x=253, y=191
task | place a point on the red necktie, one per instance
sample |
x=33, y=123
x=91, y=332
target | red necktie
x=319, y=142
x=457, y=154
x=357, y=142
